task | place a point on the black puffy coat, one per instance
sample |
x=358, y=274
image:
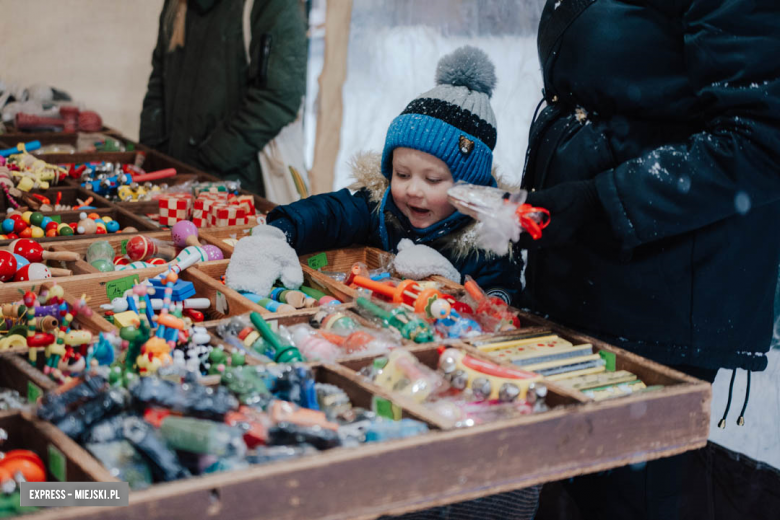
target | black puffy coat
x=673, y=107
x=206, y=106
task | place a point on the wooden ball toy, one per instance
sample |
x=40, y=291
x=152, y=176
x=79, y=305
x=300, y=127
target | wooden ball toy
x=130, y=229
x=64, y=230
x=36, y=219
x=185, y=233
x=112, y=226
x=8, y=266
x=32, y=272
x=141, y=247
x=213, y=252
x=37, y=232
x=34, y=252
x=8, y=225
x=157, y=261
x=26, y=232
x=19, y=225
x=26, y=216
x=86, y=226
x=121, y=260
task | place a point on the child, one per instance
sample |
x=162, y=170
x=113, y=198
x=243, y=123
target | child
x=445, y=135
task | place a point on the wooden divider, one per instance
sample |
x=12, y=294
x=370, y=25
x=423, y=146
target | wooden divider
x=18, y=374
x=27, y=432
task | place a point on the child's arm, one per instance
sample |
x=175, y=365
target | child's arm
x=327, y=221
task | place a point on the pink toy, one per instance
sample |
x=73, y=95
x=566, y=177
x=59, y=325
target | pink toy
x=185, y=233
x=213, y=252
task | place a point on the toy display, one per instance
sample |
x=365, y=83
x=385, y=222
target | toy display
x=465, y=390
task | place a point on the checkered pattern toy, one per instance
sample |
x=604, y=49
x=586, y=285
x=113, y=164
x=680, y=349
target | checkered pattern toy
x=174, y=208
x=222, y=214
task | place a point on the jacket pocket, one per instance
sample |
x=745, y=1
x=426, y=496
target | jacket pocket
x=575, y=151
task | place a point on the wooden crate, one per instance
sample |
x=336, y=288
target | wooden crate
x=217, y=237
x=81, y=245
x=441, y=467
x=18, y=374
x=575, y=437
x=342, y=260
x=48, y=442
x=11, y=139
x=70, y=194
x=206, y=278
x=124, y=217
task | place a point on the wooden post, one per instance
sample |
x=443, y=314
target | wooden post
x=331, y=81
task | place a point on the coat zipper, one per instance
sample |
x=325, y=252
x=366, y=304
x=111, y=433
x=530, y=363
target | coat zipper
x=265, y=53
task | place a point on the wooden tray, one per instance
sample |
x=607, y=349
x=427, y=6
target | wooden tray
x=48, y=442
x=341, y=261
x=124, y=217
x=18, y=374
x=69, y=196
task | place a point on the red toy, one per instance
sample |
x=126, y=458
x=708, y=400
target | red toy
x=140, y=248
x=7, y=266
x=34, y=252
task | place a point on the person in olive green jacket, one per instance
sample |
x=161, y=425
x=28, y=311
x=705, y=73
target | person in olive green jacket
x=205, y=105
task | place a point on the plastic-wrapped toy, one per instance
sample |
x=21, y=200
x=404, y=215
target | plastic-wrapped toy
x=485, y=379
x=404, y=374
x=493, y=313
x=410, y=326
x=502, y=216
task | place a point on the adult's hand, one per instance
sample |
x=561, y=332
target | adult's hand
x=570, y=204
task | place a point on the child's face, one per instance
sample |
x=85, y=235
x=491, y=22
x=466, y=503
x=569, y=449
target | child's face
x=419, y=187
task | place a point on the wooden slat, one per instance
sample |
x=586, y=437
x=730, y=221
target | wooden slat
x=27, y=432
x=438, y=468
x=16, y=373
x=331, y=82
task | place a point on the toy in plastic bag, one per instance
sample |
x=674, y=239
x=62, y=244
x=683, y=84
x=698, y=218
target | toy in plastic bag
x=502, y=215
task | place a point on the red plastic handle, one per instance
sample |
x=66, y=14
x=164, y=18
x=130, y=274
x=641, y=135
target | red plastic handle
x=153, y=176
x=530, y=224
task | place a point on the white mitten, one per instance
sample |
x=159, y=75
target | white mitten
x=262, y=258
x=418, y=261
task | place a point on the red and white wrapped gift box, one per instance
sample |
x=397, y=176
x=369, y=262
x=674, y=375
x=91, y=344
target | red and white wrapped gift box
x=174, y=207
x=202, y=206
x=222, y=214
x=245, y=201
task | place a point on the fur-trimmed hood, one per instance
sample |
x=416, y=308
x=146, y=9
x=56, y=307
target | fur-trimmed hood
x=367, y=170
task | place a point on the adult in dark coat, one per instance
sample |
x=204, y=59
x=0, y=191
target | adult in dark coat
x=658, y=155
x=207, y=106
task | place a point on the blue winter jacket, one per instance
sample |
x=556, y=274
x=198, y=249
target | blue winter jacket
x=369, y=217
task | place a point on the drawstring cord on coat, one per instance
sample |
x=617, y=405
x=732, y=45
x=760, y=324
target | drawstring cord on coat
x=741, y=419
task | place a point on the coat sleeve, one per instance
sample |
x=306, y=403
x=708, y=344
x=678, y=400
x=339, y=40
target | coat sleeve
x=733, y=164
x=270, y=103
x=502, y=277
x=327, y=221
x=152, y=132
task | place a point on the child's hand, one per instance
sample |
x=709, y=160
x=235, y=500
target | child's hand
x=262, y=258
x=420, y=261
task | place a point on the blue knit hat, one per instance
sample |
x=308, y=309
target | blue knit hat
x=453, y=121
